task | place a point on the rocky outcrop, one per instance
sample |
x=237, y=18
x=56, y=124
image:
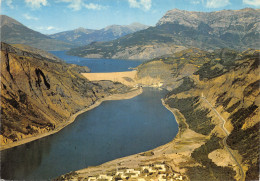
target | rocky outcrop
x=38, y=94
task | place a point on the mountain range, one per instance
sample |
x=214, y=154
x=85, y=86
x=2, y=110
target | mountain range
x=82, y=36
x=14, y=32
x=180, y=29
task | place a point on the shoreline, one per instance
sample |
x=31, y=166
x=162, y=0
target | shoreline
x=164, y=153
x=135, y=160
x=71, y=119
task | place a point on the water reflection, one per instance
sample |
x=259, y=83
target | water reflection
x=112, y=130
x=23, y=159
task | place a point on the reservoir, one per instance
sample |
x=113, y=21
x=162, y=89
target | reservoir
x=99, y=65
x=112, y=130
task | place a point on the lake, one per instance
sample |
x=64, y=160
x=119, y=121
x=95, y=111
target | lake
x=112, y=130
x=99, y=65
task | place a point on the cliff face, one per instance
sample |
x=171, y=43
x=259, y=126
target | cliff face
x=229, y=81
x=179, y=29
x=39, y=92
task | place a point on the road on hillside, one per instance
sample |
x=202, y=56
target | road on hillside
x=225, y=139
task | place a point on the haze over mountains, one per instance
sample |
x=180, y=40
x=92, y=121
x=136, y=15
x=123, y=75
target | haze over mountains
x=82, y=36
x=14, y=32
x=179, y=29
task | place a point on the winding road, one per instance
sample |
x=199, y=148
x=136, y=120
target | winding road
x=225, y=139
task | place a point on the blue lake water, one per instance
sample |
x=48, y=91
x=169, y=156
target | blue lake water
x=99, y=65
x=112, y=130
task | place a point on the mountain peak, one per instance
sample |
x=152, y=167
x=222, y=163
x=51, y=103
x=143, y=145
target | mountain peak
x=8, y=21
x=194, y=18
x=13, y=32
x=83, y=30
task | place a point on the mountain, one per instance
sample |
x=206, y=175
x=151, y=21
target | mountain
x=179, y=29
x=83, y=36
x=39, y=92
x=13, y=32
x=214, y=96
x=77, y=36
x=225, y=81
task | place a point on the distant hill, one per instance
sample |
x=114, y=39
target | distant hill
x=13, y=32
x=179, y=29
x=82, y=36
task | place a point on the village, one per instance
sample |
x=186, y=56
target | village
x=152, y=172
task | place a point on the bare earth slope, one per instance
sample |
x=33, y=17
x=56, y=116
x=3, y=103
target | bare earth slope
x=216, y=106
x=39, y=93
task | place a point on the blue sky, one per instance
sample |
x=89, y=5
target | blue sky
x=51, y=16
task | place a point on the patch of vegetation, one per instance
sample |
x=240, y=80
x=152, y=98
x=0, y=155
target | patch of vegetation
x=67, y=176
x=238, y=118
x=251, y=88
x=246, y=140
x=209, y=170
x=197, y=119
x=247, y=143
x=221, y=100
x=181, y=123
x=186, y=85
x=148, y=153
x=233, y=107
x=222, y=61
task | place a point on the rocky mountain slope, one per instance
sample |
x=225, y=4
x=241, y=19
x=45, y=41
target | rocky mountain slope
x=13, y=32
x=82, y=36
x=40, y=92
x=236, y=29
x=228, y=80
x=215, y=99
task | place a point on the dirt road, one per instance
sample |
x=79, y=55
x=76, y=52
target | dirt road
x=225, y=139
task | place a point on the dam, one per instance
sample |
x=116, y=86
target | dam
x=128, y=78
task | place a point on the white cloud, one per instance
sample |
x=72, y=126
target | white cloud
x=35, y=4
x=252, y=2
x=217, y=3
x=142, y=4
x=50, y=28
x=195, y=2
x=76, y=5
x=46, y=28
x=29, y=17
x=94, y=6
x=9, y=3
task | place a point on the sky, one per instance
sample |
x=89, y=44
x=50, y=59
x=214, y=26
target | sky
x=52, y=16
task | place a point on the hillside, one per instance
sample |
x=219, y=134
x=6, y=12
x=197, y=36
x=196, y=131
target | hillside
x=82, y=36
x=228, y=80
x=214, y=97
x=39, y=93
x=13, y=32
x=179, y=29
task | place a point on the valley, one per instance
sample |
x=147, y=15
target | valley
x=175, y=101
x=199, y=108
